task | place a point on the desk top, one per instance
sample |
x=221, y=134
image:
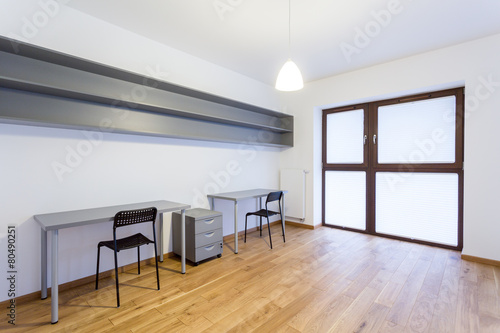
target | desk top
x=76, y=218
x=241, y=195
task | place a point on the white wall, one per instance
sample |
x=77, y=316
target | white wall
x=114, y=168
x=472, y=64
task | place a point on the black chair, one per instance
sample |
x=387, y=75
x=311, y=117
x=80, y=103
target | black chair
x=273, y=196
x=122, y=219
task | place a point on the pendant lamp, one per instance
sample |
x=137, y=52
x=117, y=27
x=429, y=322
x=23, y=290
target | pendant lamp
x=289, y=77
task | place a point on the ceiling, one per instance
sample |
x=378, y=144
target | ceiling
x=327, y=37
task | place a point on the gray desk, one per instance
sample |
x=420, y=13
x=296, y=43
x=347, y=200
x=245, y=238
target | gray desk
x=244, y=195
x=55, y=221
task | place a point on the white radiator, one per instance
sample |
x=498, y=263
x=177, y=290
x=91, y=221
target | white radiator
x=294, y=181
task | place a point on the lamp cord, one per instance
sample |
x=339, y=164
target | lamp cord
x=289, y=29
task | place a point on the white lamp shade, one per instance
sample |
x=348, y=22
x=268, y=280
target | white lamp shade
x=289, y=78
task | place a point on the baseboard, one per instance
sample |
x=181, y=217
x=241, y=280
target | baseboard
x=230, y=237
x=481, y=260
x=88, y=279
x=301, y=225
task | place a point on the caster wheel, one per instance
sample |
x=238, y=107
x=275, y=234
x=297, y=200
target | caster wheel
x=196, y=263
x=219, y=255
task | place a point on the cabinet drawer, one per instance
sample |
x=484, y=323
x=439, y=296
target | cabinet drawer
x=208, y=251
x=208, y=224
x=208, y=237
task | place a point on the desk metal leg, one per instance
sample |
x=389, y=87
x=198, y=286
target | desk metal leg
x=44, y=263
x=55, y=283
x=236, y=227
x=260, y=225
x=160, y=237
x=183, y=241
x=212, y=203
x=283, y=215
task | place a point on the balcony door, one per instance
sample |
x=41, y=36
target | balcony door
x=394, y=168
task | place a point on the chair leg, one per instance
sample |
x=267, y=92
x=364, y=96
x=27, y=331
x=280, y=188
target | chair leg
x=97, y=270
x=283, y=229
x=260, y=228
x=156, y=262
x=269, y=228
x=138, y=260
x=245, y=239
x=116, y=276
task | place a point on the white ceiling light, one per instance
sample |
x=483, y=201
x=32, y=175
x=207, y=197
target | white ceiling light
x=289, y=77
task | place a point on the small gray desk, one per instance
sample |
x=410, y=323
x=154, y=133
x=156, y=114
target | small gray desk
x=55, y=221
x=244, y=195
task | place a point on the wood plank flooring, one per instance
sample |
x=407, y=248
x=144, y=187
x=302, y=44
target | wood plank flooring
x=322, y=280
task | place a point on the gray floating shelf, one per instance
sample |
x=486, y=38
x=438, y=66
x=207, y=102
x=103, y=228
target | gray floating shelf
x=42, y=87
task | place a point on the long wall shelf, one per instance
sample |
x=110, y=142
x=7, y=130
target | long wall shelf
x=42, y=87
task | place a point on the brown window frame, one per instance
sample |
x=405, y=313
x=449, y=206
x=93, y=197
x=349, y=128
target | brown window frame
x=371, y=166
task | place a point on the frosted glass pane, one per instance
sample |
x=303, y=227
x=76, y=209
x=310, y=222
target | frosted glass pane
x=417, y=132
x=345, y=199
x=344, y=139
x=421, y=206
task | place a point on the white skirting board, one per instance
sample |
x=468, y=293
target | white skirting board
x=294, y=181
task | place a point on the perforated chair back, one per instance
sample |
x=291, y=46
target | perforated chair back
x=128, y=217
x=273, y=196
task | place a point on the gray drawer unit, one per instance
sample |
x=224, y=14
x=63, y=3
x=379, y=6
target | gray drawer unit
x=203, y=234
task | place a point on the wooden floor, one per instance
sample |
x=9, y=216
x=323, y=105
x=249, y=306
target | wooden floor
x=323, y=280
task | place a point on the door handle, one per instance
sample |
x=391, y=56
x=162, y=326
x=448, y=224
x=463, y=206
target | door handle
x=374, y=139
x=364, y=139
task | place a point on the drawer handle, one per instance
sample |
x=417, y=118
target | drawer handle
x=209, y=248
x=209, y=234
x=209, y=221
